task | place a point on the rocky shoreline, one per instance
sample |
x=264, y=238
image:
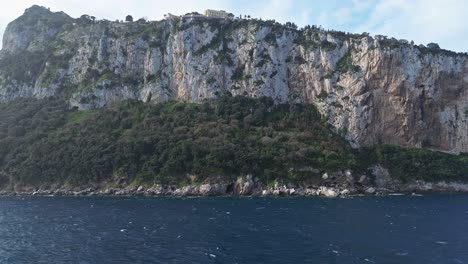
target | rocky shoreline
x=330, y=184
x=246, y=186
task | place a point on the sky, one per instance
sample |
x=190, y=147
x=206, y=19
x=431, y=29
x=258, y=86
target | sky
x=423, y=21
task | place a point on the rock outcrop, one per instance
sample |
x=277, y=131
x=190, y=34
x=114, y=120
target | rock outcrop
x=372, y=90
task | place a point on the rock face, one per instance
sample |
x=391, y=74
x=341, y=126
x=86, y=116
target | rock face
x=244, y=185
x=372, y=90
x=383, y=178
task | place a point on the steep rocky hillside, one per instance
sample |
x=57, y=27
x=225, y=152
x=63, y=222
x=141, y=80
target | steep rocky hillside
x=372, y=90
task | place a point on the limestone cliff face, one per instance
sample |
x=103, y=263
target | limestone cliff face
x=372, y=90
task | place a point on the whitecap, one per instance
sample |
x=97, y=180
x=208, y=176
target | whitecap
x=213, y=255
x=401, y=253
x=123, y=230
x=442, y=242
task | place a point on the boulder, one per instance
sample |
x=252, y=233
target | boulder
x=344, y=192
x=205, y=189
x=310, y=191
x=349, y=177
x=325, y=176
x=328, y=192
x=213, y=189
x=291, y=191
x=155, y=190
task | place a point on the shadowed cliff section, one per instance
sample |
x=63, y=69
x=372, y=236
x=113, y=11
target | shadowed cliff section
x=372, y=90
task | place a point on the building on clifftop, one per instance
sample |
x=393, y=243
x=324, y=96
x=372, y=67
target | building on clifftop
x=216, y=13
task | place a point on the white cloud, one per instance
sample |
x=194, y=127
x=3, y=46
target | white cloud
x=440, y=21
x=341, y=16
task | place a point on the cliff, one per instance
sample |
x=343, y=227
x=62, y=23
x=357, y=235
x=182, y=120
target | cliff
x=372, y=90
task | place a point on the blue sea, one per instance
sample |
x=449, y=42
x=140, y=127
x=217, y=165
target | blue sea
x=388, y=229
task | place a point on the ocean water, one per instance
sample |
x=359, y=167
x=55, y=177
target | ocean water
x=391, y=229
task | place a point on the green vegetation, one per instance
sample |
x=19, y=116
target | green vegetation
x=264, y=58
x=219, y=42
x=426, y=50
x=224, y=56
x=43, y=143
x=78, y=116
x=259, y=82
x=299, y=60
x=14, y=65
x=238, y=73
x=345, y=64
x=328, y=75
x=211, y=80
x=407, y=164
x=307, y=40
x=339, y=87
x=152, y=32
x=327, y=45
x=270, y=38
x=391, y=43
x=322, y=95
x=223, y=35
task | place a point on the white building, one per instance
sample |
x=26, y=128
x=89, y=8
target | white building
x=216, y=13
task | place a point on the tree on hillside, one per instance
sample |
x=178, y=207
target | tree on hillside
x=142, y=20
x=433, y=46
x=129, y=18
